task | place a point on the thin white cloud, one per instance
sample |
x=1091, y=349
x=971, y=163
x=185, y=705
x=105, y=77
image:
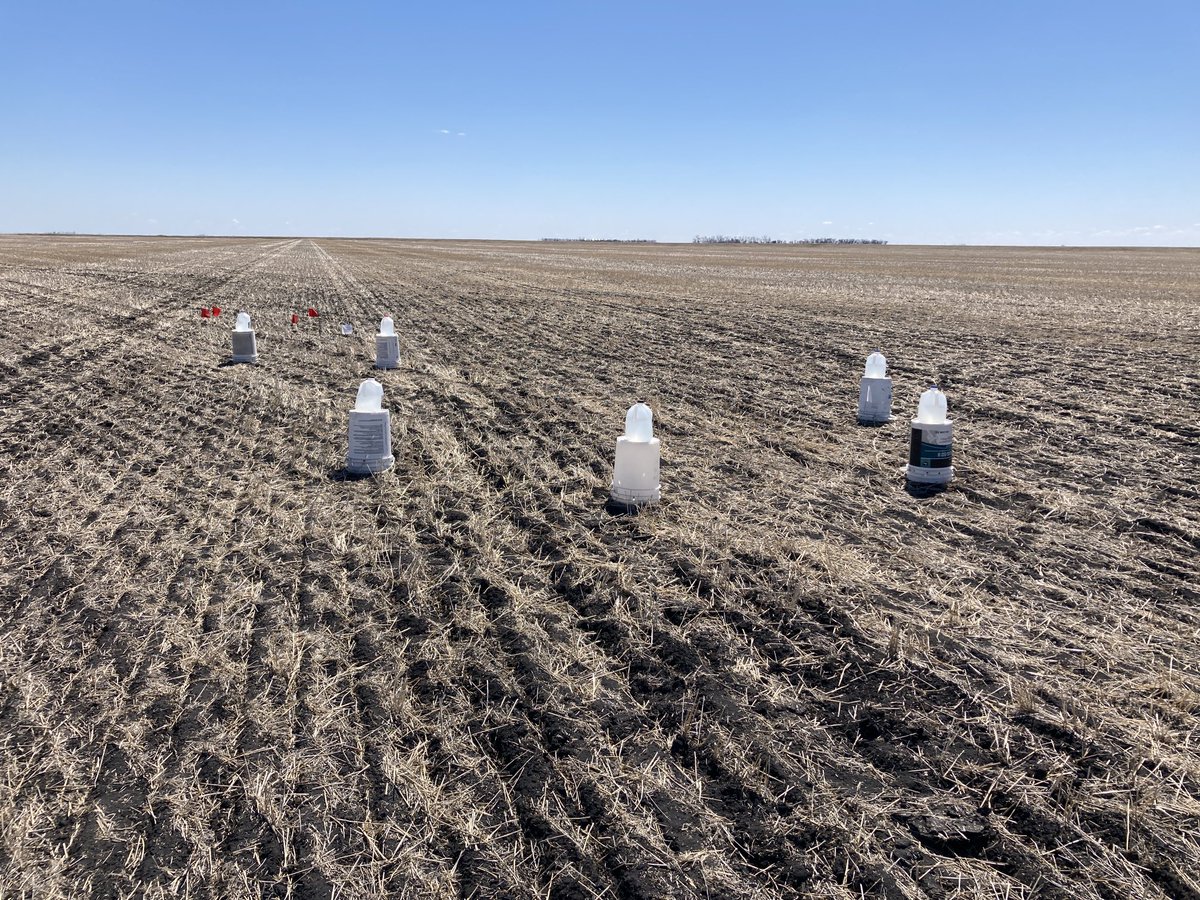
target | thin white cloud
x=1144, y=233
x=443, y=131
x=462, y=134
x=826, y=223
x=236, y=222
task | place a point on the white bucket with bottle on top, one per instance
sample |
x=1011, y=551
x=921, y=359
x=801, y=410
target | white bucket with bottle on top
x=875, y=392
x=370, y=432
x=387, y=345
x=930, y=450
x=635, y=471
x=245, y=349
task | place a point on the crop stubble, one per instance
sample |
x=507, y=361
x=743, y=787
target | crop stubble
x=228, y=670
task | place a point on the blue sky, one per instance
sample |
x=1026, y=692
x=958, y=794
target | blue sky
x=963, y=122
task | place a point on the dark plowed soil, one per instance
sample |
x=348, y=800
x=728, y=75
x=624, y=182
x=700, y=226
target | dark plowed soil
x=229, y=670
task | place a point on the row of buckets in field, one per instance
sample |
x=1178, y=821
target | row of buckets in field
x=635, y=480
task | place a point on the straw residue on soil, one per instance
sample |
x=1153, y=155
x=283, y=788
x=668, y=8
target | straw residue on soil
x=226, y=669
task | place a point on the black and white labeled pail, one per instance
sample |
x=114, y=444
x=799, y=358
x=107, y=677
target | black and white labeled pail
x=387, y=351
x=387, y=345
x=370, y=442
x=931, y=452
x=875, y=401
x=875, y=392
x=370, y=432
x=245, y=349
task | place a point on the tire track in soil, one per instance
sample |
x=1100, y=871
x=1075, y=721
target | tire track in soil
x=524, y=763
x=190, y=708
x=105, y=354
x=511, y=763
x=298, y=612
x=523, y=749
x=120, y=326
x=376, y=798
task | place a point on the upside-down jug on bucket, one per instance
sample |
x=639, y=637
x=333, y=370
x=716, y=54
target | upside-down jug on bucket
x=387, y=345
x=635, y=472
x=245, y=349
x=370, y=432
x=930, y=449
x=875, y=392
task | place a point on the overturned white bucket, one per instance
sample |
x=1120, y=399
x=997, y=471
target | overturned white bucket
x=875, y=392
x=387, y=345
x=370, y=432
x=931, y=445
x=635, y=471
x=245, y=349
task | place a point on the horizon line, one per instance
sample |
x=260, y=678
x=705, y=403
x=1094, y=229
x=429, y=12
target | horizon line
x=632, y=241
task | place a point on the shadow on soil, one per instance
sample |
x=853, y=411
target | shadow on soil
x=923, y=491
x=341, y=473
x=617, y=508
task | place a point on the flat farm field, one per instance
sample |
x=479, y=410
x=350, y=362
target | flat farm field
x=229, y=670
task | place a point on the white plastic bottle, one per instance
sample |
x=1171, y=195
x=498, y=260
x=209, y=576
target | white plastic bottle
x=875, y=392
x=370, y=432
x=635, y=472
x=930, y=450
x=387, y=345
x=245, y=348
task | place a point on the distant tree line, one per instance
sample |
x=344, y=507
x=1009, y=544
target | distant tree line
x=723, y=239
x=602, y=240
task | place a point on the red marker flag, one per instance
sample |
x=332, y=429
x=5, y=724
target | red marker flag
x=204, y=312
x=312, y=313
x=295, y=318
x=216, y=310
